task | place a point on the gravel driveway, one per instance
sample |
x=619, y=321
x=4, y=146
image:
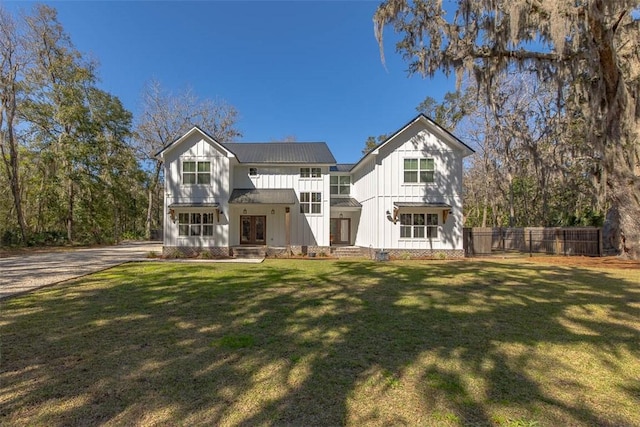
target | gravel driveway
x=27, y=272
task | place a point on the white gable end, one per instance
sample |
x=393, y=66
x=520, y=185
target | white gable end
x=388, y=188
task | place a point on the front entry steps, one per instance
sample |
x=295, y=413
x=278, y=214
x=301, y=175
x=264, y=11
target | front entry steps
x=347, y=252
x=249, y=252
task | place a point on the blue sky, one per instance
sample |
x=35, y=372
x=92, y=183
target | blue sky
x=302, y=68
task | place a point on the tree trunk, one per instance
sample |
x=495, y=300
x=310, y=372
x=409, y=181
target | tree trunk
x=147, y=227
x=624, y=217
x=12, y=163
x=619, y=143
x=70, y=201
x=484, y=210
x=152, y=189
x=512, y=210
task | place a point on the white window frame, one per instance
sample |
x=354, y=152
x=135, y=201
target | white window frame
x=310, y=173
x=196, y=173
x=195, y=224
x=422, y=170
x=339, y=186
x=419, y=225
x=311, y=202
x=432, y=224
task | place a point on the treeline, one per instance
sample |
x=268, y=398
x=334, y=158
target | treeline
x=76, y=167
x=531, y=167
x=70, y=172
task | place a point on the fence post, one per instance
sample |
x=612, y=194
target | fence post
x=599, y=241
x=504, y=235
x=564, y=242
x=530, y=245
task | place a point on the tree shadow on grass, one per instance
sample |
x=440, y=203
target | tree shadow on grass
x=309, y=343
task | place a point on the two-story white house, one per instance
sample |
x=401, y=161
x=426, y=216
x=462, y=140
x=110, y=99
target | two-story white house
x=403, y=197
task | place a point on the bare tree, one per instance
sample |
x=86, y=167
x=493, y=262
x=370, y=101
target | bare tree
x=165, y=117
x=592, y=44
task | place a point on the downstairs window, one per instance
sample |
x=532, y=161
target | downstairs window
x=418, y=226
x=195, y=224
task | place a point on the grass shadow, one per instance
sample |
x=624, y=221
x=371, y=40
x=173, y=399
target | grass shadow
x=325, y=343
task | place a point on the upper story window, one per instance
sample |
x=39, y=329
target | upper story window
x=418, y=225
x=195, y=224
x=196, y=172
x=419, y=170
x=340, y=185
x=311, y=203
x=253, y=171
x=310, y=173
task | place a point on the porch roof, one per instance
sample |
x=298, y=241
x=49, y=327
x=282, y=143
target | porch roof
x=422, y=205
x=243, y=196
x=344, y=202
x=193, y=205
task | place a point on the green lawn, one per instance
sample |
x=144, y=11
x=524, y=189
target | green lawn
x=326, y=342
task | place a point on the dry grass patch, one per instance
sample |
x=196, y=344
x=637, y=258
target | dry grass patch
x=501, y=343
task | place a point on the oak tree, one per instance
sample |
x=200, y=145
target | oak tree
x=593, y=44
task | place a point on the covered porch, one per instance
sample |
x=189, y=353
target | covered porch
x=261, y=217
x=344, y=220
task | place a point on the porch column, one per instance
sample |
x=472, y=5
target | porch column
x=287, y=226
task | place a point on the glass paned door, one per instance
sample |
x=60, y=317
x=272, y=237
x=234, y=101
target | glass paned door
x=253, y=230
x=260, y=227
x=340, y=231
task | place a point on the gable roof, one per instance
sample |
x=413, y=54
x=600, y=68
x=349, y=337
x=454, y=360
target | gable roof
x=281, y=152
x=191, y=131
x=429, y=124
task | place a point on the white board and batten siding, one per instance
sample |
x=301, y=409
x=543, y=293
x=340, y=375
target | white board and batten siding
x=380, y=183
x=377, y=183
x=197, y=148
x=306, y=229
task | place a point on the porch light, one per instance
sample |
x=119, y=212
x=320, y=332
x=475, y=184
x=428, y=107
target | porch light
x=341, y=215
x=172, y=215
x=244, y=211
x=445, y=214
x=273, y=211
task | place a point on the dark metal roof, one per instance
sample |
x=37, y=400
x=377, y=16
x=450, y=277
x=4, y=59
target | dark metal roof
x=194, y=205
x=342, y=167
x=281, y=152
x=422, y=205
x=344, y=202
x=282, y=196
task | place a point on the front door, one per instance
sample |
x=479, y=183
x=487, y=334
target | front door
x=340, y=231
x=253, y=230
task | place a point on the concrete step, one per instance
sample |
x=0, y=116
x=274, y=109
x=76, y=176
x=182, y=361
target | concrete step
x=348, y=252
x=249, y=251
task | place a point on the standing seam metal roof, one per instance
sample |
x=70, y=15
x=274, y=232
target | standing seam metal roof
x=344, y=202
x=276, y=196
x=342, y=167
x=281, y=152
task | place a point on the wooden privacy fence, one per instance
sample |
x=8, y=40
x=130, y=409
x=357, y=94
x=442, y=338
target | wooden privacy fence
x=548, y=240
